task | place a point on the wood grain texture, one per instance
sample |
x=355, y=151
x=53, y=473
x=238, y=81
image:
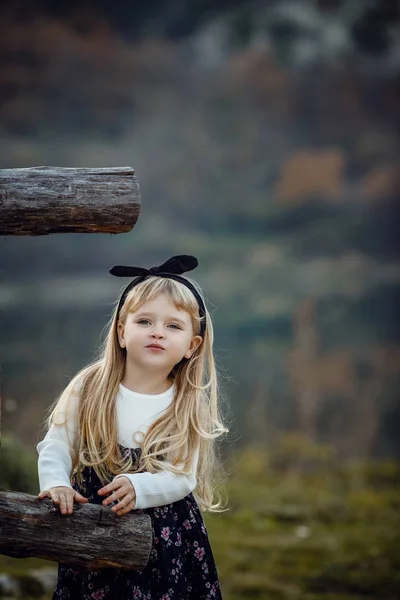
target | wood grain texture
x=43, y=200
x=92, y=536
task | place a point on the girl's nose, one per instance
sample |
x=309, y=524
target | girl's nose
x=157, y=334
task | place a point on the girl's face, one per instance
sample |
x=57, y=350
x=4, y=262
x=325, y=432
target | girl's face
x=158, y=335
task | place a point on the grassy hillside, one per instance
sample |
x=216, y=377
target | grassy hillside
x=329, y=531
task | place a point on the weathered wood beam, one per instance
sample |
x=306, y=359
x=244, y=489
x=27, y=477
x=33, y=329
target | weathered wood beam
x=42, y=200
x=91, y=537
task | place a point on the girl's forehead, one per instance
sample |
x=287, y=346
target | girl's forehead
x=160, y=304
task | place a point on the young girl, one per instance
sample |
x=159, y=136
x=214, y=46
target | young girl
x=136, y=430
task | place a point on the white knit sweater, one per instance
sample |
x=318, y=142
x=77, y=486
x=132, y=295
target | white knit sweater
x=135, y=413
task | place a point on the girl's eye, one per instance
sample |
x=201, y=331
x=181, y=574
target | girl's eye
x=146, y=321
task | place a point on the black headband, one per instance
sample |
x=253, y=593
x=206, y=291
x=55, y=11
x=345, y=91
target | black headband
x=171, y=269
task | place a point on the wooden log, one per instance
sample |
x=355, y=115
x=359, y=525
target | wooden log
x=92, y=536
x=42, y=200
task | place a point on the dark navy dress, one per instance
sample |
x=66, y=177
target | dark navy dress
x=181, y=564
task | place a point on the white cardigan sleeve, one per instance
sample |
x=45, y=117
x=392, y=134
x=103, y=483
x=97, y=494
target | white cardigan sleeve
x=56, y=449
x=157, y=489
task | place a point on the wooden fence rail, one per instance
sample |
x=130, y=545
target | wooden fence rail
x=92, y=536
x=42, y=200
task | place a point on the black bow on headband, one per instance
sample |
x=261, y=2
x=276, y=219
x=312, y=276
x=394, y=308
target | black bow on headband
x=176, y=264
x=171, y=269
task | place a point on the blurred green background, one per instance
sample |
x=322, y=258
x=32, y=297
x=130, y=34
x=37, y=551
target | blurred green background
x=264, y=136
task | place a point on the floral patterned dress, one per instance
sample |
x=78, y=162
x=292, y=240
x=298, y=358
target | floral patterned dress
x=181, y=564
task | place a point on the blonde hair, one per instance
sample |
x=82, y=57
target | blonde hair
x=192, y=418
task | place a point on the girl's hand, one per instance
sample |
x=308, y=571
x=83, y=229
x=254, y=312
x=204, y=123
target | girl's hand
x=124, y=492
x=64, y=496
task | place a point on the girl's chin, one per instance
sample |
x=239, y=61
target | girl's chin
x=153, y=361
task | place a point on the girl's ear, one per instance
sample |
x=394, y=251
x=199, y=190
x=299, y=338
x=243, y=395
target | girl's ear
x=120, y=331
x=194, y=344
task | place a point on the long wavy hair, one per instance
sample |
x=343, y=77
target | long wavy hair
x=192, y=419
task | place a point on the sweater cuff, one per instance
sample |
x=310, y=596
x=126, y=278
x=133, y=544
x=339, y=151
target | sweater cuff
x=159, y=489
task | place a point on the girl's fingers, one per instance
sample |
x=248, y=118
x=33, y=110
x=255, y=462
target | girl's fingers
x=114, y=496
x=124, y=506
x=63, y=499
x=128, y=508
x=63, y=504
x=60, y=500
x=122, y=497
x=79, y=498
x=48, y=494
x=121, y=491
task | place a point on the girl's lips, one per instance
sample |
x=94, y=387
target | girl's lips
x=152, y=347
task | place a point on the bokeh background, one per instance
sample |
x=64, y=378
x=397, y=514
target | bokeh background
x=264, y=136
